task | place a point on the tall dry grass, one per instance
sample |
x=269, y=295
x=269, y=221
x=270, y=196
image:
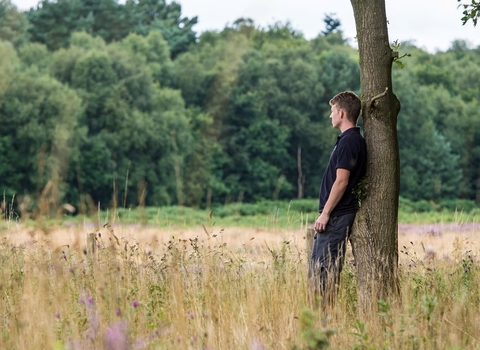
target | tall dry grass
x=227, y=288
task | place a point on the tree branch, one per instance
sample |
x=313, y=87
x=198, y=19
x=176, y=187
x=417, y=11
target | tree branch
x=374, y=98
x=379, y=96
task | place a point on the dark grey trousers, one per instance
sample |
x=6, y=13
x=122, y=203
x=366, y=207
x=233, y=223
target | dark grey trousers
x=328, y=255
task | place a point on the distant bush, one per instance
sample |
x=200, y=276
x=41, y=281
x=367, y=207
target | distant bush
x=304, y=205
x=464, y=205
x=421, y=206
x=267, y=207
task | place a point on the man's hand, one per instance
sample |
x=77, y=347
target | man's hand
x=321, y=222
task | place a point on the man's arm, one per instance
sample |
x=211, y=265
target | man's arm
x=338, y=189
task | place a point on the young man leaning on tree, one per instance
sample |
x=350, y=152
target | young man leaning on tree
x=337, y=203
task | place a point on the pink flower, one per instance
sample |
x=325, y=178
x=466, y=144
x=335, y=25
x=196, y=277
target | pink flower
x=116, y=337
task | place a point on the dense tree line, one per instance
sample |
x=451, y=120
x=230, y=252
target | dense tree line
x=106, y=104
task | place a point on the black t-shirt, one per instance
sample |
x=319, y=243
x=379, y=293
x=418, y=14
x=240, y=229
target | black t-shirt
x=350, y=153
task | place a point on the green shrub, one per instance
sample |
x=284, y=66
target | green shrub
x=464, y=205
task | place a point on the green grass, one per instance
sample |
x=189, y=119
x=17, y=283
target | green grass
x=276, y=214
x=266, y=214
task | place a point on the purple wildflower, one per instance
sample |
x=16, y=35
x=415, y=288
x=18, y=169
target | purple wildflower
x=118, y=312
x=57, y=314
x=64, y=257
x=92, y=318
x=191, y=315
x=116, y=337
x=135, y=303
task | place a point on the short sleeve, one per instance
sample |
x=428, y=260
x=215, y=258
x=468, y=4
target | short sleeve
x=347, y=154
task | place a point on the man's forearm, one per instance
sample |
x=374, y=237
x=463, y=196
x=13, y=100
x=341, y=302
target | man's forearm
x=336, y=193
x=338, y=189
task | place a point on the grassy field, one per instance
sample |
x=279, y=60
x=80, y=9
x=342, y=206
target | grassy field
x=177, y=278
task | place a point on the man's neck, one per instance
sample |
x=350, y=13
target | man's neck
x=345, y=127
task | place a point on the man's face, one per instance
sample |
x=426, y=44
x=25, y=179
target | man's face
x=336, y=116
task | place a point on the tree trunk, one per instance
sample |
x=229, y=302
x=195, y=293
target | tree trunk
x=300, y=178
x=477, y=197
x=376, y=226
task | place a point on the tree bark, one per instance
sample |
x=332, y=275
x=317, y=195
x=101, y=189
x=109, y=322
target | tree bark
x=376, y=226
x=300, y=178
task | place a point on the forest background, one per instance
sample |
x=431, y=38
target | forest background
x=105, y=104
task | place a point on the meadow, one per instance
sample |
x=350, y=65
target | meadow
x=231, y=278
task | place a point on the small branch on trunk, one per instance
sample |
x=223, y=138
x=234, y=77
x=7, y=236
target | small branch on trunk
x=374, y=98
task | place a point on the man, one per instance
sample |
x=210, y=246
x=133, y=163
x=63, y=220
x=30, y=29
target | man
x=337, y=204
